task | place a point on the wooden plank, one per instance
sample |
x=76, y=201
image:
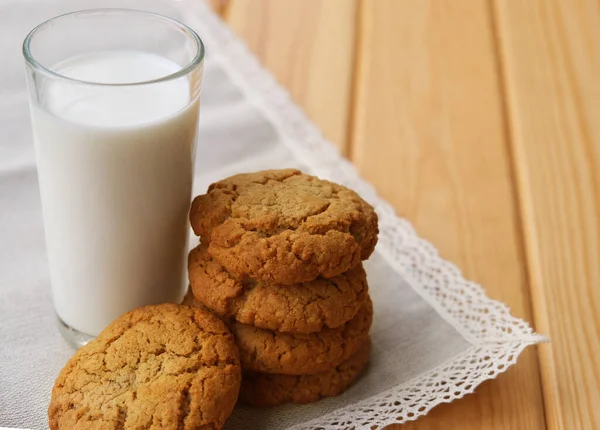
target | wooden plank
x=429, y=133
x=309, y=46
x=219, y=6
x=551, y=57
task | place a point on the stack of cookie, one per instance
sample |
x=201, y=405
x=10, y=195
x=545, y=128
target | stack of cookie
x=280, y=261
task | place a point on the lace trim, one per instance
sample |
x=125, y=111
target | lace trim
x=497, y=338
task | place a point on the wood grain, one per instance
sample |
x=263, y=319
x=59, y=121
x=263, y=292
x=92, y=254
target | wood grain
x=309, y=46
x=429, y=133
x=551, y=57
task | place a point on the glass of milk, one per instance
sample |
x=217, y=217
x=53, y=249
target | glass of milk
x=114, y=98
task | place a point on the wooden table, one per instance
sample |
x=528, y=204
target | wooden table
x=480, y=121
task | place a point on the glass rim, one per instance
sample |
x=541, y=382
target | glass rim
x=184, y=70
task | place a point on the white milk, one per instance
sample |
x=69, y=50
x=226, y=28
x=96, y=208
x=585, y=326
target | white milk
x=115, y=170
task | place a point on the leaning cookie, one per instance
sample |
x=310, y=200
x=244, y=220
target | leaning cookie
x=281, y=226
x=263, y=389
x=299, y=308
x=298, y=354
x=167, y=366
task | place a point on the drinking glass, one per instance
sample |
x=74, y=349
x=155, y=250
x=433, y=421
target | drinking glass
x=114, y=101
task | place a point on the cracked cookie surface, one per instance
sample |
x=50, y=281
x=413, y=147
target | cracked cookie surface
x=268, y=351
x=263, y=389
x=163, y=366
x=300, y=308
x=281, y=226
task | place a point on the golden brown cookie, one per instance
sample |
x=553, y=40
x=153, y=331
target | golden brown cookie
x=281, y=226
x=264, y=389
x=268, y=351
x=164, y=366
x=300, y=308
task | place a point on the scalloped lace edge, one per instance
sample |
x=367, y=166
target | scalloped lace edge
x=496, y=336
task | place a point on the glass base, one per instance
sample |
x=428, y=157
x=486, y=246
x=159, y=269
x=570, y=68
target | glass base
x=75, y=338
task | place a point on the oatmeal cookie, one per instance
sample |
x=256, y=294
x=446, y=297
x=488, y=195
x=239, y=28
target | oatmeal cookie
x=299, y=308
x=282, y=226
x=267, y=351
x=163, y=366
x=263, y=389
